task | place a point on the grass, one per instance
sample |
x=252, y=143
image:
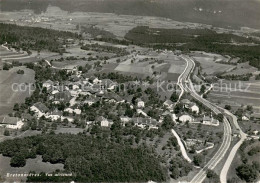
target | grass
x=8, y=97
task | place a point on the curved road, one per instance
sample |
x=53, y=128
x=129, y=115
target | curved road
x=224, y=171
x=219, y=155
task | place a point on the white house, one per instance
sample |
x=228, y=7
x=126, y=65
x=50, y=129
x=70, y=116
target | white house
x=96, y=81
x=185, y=118
x=140, y=103
x=68, y=118
x=11, y=122
x=47, y=84
x=55, y=115
x=195, y=108
x=104, y=122
x=70, y=110
x=125, y=119
x=246, y=117
x=54, y=92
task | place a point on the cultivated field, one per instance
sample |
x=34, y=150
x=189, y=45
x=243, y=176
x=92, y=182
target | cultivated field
x=209, y=63
x=236, y=93
x=8, y=97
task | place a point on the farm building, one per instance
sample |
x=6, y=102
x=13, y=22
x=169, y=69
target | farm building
x=185, y=118
x=39, y=109
x=48, y=84
x=210, y=121
x=145, y=122
x=104, y=122
x=62, y=96
x=140, y=103
x=11, y=122
x=168, y=104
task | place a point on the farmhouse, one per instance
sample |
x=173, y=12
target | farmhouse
x=108, y=84
x=39, y=109
x=125, y=119
x=168, y=104
x=185, y=102
x=145, y=122
x=185, y=118
x=48, y=84
x=54, y=115
x=104, y=122
x=62, y=96
x=71, y=111
x=140, y=103
x=246, y=117
x=194, y=108
x=210, y=121
x=11, y=122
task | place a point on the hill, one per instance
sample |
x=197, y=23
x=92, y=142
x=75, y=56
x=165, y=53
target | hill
x=222, y=13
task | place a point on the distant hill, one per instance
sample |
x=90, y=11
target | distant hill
x=223, y=13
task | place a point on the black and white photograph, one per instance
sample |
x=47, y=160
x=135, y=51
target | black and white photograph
x=138, y=91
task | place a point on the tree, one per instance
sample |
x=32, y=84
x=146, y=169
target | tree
x=228, y=107
x=203, y=89
x=246, y=172
x=174, y=97
x=220, y=117
x=6, y=66
x=20, y=71
x=6, y=133
x=198, y=160
x=212, y=176
x=18, y=161
x=80, y=68
x=249, y=108
x=167, y=123
x=16, y=107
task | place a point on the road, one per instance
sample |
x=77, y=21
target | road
x=243, y=136
x=179, y=83
x=219, y=155
x=183, y=150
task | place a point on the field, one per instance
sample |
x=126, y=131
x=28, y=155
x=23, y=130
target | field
x=242, y=68
x=31, y=165
x=209, y=63
x=162, y=66
x=236, y=93
x=9, y=97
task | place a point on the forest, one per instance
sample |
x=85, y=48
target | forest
x=88, y=158
x=34, y=38
x=197, y=40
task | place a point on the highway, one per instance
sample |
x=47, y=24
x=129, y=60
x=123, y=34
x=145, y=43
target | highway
x=243, y=136
x=219, y=155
